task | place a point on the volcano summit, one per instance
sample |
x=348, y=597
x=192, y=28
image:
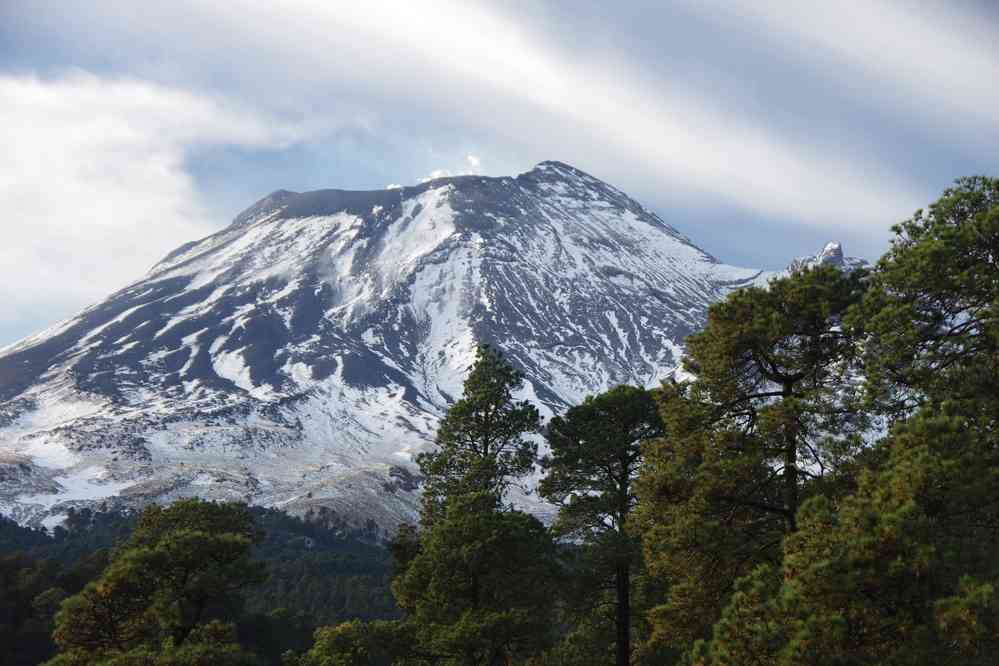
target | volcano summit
x=300, y=356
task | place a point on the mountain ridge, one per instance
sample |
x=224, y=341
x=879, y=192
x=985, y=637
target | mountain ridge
x=301, y=355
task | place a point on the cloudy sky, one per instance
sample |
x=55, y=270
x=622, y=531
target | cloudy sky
x=760, y=129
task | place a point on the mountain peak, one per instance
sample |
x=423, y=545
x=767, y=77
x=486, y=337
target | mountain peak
x=562, y=167
x=830, y=255
x=264, y=206
x=303, y=353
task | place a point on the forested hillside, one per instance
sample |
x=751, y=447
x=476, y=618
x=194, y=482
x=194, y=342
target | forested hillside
x=319, y=571
x=822, y=489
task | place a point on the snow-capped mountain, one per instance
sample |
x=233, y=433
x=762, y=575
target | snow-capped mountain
x=301, y=355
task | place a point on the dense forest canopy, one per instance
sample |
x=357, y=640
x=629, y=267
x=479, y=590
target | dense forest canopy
x=824, y=490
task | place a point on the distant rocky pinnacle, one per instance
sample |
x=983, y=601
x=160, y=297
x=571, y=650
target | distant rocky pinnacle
x=831, y=255
x=302, y=355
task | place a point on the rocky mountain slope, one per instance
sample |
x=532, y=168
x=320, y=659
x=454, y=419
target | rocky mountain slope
x=301, y=355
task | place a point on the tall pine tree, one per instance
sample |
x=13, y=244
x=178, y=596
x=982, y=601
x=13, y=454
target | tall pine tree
x=481, y=443
x=769, y=420
x=477, y=584
x=596, y=451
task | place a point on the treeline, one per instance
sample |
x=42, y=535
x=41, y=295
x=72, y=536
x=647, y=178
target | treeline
x=319, y=570
x=823, y=490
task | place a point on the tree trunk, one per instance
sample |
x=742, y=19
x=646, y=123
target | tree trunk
x=790, y=466
x=623, y=583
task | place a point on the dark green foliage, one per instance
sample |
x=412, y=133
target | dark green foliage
x=904, y=569
x=320, y=568
x=82, y=533
x=595, y=456
x=346, y=644
x=30, y=593
x=182, y=568
x=477, y=583
x=320, y=571
x=480, y=441
x=482, y=587
x=271, y=634
x=357, y=643
x=587, y=613
x=15, y=538
x=771, y=419
x=932, y=313
x=36, y=573
x=774, y=374
x=211, y=644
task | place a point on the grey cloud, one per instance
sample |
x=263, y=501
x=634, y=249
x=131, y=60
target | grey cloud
x=743, y=124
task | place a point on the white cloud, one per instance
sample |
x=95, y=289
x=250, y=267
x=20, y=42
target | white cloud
x=927, y=60
x=471, y=167
x=580, y=110
x=93, y=184
x=437, y=173
x=487, y=72
x=96, y=168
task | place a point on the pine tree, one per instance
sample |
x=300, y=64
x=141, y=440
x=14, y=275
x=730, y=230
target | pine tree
x=932, y=312
x=476, y=583
x=481, y=589
x=595, y=456
x=480, y=442
x=357, y=643
x=904, y=569
x=181, y=570
x=769, y=420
